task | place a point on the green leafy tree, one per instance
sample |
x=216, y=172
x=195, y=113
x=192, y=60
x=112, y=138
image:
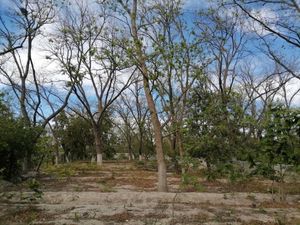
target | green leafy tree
x=76, y=138
x=15, y=141
x=75, y=135
x=281, y=141
x=213, y=129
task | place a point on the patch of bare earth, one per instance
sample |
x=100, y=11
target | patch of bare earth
x=120, y=193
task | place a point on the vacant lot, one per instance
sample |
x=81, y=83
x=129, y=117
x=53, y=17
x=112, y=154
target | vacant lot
x=124, y=193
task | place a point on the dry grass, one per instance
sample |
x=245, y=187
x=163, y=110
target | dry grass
x=138, y=175
x=118, y=217
x=199, y=219
x=81, y=177
x=26, y=215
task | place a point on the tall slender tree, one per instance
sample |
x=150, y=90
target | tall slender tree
x=137, y=11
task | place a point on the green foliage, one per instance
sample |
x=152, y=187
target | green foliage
x=43, y=151
x=60, y=171
x=220, y=132
x=213, y=129
x=233, y=172
x=16, y=141
x=108, y=137
x=282, y=139
x=35, y=186
x=77, y=139
x=280, y=142
x=75, y=135
x=70, y=169
x=188, y=163
x=147, y=164
x=190, y=182
x=76, y=217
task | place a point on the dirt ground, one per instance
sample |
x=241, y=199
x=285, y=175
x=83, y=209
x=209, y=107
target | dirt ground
x=125, y=193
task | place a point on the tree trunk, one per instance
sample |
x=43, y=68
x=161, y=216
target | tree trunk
x=56, y=146
x=180, y=148
x=130, y=155
x=56, y=158
x=24, y=165
x=173, y=143
x=162, y=169
x=98, y=145
x=27, y=162
x=67, y=158
x=141, y=146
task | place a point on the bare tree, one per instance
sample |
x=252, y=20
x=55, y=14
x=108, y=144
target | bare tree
x=288, y=94
x=132, y=104
x=225, y=42
x=12, y=39
x=259, y=90
x=282, y=28
x=18, y=68
x=88, y=53
x=126, y=125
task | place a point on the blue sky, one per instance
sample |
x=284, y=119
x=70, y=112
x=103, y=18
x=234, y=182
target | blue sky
x=189, y=7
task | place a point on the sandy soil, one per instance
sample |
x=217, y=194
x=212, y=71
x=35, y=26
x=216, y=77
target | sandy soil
x=122, y=194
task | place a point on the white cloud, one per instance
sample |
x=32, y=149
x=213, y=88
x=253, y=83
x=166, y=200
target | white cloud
x=292, y=88
x=265, y=15
x=247, y=24
x=47, y=71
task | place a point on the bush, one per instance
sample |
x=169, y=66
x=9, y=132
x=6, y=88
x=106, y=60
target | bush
x=190, y=183
x=16, y=140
